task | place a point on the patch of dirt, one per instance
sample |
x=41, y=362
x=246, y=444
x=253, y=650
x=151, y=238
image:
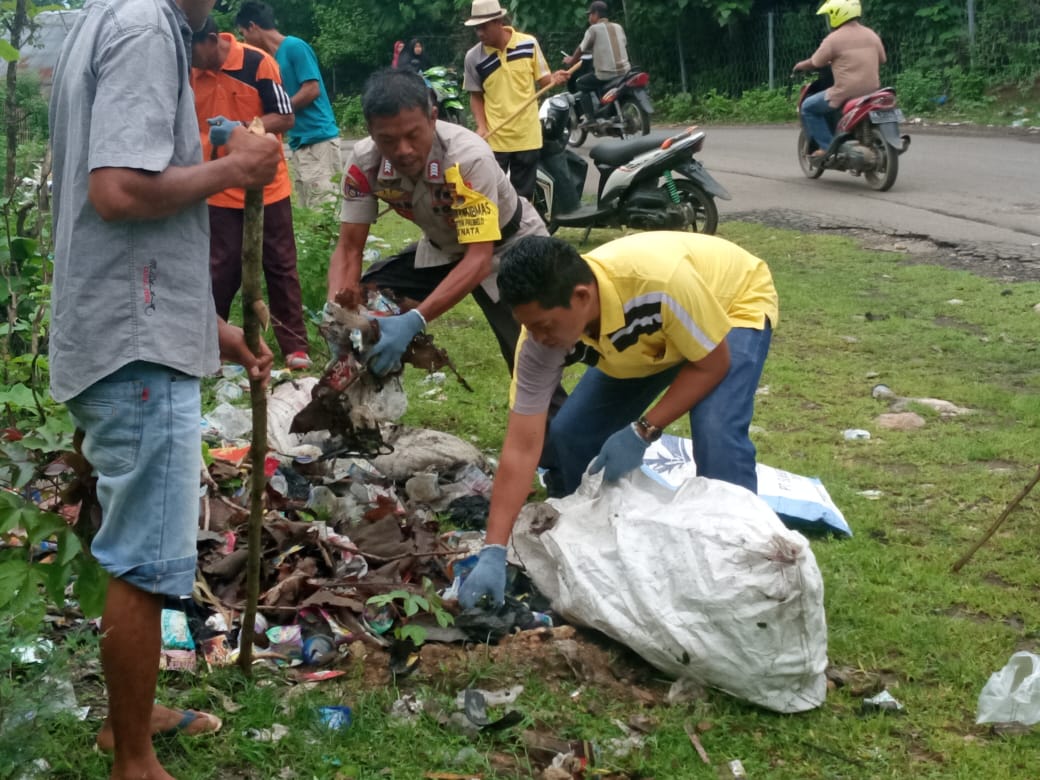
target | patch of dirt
x=1010, y=264
x=559, y=656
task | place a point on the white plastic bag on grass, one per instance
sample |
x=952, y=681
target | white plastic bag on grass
x=1012, y=695
x=703, y=581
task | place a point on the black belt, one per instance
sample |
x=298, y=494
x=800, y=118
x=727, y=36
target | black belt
x=509, y=229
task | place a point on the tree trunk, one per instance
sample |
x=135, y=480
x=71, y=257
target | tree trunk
x=18, y=25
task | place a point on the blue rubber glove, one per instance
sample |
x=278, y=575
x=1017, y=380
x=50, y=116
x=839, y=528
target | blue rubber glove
x=488, y=578
x=220, y=128
x=395, y=334
x=620, y=454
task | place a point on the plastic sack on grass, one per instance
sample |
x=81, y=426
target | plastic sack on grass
x=803, y=503
x=703, y=582
x=1012, y=695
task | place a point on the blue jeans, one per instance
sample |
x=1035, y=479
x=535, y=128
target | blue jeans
x=816, y=113
x=601, y=405
x=143, y=438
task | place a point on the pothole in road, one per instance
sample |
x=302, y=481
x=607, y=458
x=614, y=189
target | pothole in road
x=1002, y=263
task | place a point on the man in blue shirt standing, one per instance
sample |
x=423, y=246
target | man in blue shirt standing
x=314, y=139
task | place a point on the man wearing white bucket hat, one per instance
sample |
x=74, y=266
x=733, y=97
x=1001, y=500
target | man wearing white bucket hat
x=500, y=75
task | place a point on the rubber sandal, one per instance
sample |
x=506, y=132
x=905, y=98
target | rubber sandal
x=187, y=718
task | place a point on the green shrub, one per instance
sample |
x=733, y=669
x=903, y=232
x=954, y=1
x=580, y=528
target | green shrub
x=349, y=116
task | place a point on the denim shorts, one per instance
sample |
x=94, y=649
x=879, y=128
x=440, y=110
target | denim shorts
x=144, y=441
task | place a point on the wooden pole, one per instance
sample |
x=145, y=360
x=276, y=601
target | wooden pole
x=993, y=528
x=254, y=319
x=529, y=101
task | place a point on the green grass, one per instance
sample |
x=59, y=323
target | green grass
x=893, y=606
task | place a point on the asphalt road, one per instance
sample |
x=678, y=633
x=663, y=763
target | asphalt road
x=980, y=192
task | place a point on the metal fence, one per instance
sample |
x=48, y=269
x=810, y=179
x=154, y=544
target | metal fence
x=691, y=53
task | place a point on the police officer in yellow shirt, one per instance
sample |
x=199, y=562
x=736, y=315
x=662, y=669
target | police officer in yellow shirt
x=683, y=314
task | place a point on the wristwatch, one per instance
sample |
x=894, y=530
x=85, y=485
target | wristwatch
x=647, y=431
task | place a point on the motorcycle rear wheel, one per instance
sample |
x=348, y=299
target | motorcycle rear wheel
x=884, y=175
x=634, y=120
x=805, y=148
x=706, y=213
x=576, y=134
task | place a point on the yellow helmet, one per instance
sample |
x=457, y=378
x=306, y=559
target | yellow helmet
x=840, y=11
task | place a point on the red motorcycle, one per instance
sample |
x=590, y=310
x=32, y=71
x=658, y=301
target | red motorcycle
x=866, y=136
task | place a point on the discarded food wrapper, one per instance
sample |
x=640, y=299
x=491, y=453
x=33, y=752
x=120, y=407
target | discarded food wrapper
x=883, y=702
x=335, y=718
x=177, y=660
x=286, y=641
x=175, y=633
x=273, y=734
x=322, y=675
x=33, y=653
x=491, y=698
x=855, y=434
x=1012, y=695
x=318, y=649
x=216, y=650
x=733, y=770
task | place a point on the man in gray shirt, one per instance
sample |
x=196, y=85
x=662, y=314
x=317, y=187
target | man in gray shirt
x=607, y=43
x=133, y=325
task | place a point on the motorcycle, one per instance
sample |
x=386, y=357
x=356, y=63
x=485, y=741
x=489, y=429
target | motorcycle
x=622, y=110
x=638, y=185
x=866, y=136
x=444, y=83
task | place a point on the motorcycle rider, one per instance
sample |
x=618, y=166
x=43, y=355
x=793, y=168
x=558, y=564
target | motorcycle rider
x=854, y=53
x=607, y=43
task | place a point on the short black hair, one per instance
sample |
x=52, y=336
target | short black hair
x=598, y=7
x=542, y=270
x=388, y=92
x=209, y=27
x=253, y=12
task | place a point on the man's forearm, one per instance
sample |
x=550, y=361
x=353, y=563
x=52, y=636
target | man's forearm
x=278, y=123
x=305, y=95
x=520, y=453
x=128, y=194
x=476, y=107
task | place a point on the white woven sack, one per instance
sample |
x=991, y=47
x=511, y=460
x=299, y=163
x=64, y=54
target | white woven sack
x=703, y=581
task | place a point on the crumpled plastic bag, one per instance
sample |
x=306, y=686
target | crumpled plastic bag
x=703, y=582
x=1012, y=695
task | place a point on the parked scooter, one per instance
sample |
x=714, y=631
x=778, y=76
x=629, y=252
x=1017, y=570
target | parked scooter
x=866, y=136
x=650, y=183
x=444, y=82
x=622, y=110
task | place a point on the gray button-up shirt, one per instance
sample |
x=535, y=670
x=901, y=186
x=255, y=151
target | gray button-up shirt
x=126, y=291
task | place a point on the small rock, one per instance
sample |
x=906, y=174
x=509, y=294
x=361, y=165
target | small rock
x=855, y=434
x=1037, y=308
x=955, y=301
x=871, y=375
x=850, y=339
x=871, y=495
x=900, y=421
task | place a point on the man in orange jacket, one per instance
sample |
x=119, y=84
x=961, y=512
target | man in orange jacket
x=239, y=82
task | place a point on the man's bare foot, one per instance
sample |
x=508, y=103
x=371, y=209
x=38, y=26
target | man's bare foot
x=150, y=771
x=166, y=720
